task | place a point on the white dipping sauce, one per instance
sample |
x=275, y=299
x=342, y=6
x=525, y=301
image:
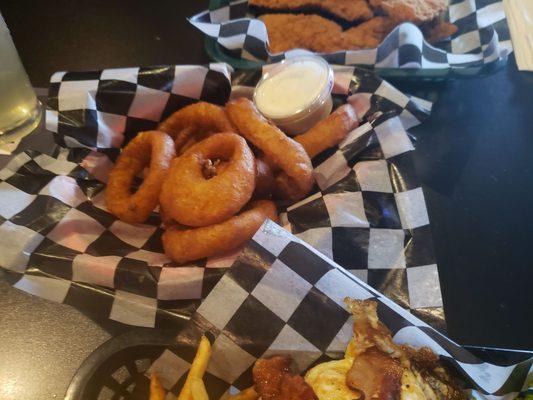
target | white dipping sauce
x=296, y=94
x=292, y=89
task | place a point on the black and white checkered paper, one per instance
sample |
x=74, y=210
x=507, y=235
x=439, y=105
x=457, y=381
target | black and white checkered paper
x=104, y=109
x=281, y=296
x=483, y=37
x=58, y=241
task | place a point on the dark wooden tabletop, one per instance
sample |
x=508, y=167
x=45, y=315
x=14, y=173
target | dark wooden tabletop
x=474, y=156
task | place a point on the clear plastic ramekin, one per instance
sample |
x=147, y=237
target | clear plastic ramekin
x=295, y=94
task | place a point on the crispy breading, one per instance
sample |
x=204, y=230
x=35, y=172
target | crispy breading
x=274, y=380
x=315, y=33
x=292, y=31
x=416, y=11
x=349, y=10
x=369, y=34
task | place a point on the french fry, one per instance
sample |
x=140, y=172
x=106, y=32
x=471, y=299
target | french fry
x=198, y=367
x=156, y=390
x=246, y=394
x=198, y=391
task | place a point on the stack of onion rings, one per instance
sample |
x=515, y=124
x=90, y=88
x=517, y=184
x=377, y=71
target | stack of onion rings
x=212, y=190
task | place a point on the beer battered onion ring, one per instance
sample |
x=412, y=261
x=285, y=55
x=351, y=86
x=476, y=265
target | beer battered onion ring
x=264, y=184
x=196, y=121
x=330, y=131
x=264, y=180
x=152, y=148
x=192, y=244
x=192, y=199
x=295, y=180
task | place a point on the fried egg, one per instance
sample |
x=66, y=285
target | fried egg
x=328, y=380
x=412, y=389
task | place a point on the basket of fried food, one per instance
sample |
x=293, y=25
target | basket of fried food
x=214, y=172
x=373, y=367
x=327, y=26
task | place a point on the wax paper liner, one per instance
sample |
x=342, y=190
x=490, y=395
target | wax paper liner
x=483, y=37
x=58, y=241
x=281, y=296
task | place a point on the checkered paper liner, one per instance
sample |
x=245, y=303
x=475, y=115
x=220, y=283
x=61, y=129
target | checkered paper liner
x=483, y=37
x=58, y=241
x=281, y=296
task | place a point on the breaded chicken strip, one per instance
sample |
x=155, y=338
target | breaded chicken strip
x=311, y=32
x=416, y=11
x=349, y=10
x=369, y=34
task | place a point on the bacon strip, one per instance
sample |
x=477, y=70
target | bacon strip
x=376, y=375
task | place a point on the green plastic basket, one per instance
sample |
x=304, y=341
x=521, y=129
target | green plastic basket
x=217, y=53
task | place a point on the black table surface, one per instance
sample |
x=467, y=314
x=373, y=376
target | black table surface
x=474, y=156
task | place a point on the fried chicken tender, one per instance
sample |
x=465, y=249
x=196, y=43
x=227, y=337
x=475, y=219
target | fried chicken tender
x=369, y=34
x=349, y=10
x=315, y=33
x=416, y=11
x=299, y=31
x=318, y=34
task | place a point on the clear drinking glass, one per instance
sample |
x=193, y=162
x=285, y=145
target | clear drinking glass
x=20, y=111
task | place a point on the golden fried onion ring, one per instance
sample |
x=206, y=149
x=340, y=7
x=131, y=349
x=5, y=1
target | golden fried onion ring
x=191, y=198
x=330, y=131
x=264, y=184
x=264, y=180
x=197, y=121
x=152, y=148
x=193, y=244
x=296, y=178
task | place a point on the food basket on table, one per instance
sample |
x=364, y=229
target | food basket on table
x=367, y=211
x=293, y=308
x=367, y=201
x=479, y=47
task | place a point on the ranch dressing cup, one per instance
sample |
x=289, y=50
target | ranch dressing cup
x=296, y=93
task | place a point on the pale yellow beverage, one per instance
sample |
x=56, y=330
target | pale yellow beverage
x=19, y=109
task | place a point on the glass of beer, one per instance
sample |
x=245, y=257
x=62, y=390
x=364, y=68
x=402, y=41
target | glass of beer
x=20, y=111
